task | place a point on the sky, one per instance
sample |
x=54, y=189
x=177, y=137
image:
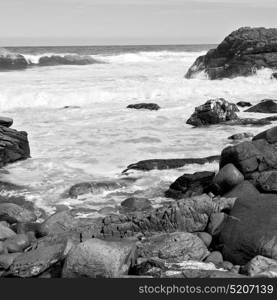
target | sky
x=127, y=22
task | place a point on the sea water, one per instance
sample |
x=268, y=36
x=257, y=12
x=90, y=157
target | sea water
x=100, y=137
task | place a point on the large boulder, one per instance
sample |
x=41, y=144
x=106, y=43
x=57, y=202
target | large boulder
x=269, y=135
x=14, y=145
x=214, y=111
x=240, y=54
x=175, y=247
x=97, y=258
x=250, y=230
x=191, y=184
x=266, y=106
x=11, y=61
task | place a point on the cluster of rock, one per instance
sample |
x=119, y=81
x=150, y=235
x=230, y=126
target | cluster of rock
x=220, y=111
x=242, y=53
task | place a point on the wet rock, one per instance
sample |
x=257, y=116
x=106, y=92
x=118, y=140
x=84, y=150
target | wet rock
x=11, y=61
x=136, y=204
x=97, y=258
x=205, y=237
x=216, y=223
x=7, y=122
x=244, y=104
x=57, y=223
x=94, y=187
x=13, y=213
x=5, y=232
x=240, y=54
x=6, y=260
x=250, y=230
x=191, y=184
x=266, y=106
x=244, y=190
x=33, y=263
x=17, y=243
x=149, y=106
x=175, y=247
x=269, y=135
x=261, y=266
x=214, y=111
x=241, y=136
x=69, y=59
x=227, y=178
x=164, y=164
x=14, y=145
x=215, y=257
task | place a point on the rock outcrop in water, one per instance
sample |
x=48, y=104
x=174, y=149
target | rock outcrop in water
x=55, y=60
x=149, y=106
x=242, y=53
x=14, y=145
x=266, y=106
x=11, y=61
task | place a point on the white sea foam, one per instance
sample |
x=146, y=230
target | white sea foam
x=74, y=145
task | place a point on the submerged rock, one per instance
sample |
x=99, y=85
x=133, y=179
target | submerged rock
x=242, y=53
x=214, y=111
x=149, y=106
x=266, y=106
x=244, y=104
x=164, y=164
x=191, y=184
x=99, y=259
x=14, y=145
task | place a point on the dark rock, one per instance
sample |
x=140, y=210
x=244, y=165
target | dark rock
x=7, y=122
x=14, y=145
x=215, y=257
x=270, y=119
x=216, y=223
x=266, y=106
x=240, y=54
x=164, y=164
x=269, y=135
x=260, y=266
x=71, y=107
x=6, y=260
x=244, y=104
x=205, y=237
x=250, y=230
x=191, y=184
x=28, y=227
x=17, y=243
x=240, y=136
x=5, y=232
x=227, y=178
x=149, y=106
x=249, y=122
x=136, y=204
x=274, y=76
x=10, y=61
x=244, y=190
x=13, y=213
x=249, y=157
x=175, y=247
x=70, y=59
x=214, y=111
x=94, y=187
x=97, y=258
x=34, y=262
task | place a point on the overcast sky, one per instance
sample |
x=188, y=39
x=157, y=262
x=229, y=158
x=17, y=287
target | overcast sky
x=92, y=22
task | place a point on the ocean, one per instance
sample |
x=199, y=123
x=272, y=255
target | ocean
x=98, y=139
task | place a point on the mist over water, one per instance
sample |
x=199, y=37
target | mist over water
x=99, y=139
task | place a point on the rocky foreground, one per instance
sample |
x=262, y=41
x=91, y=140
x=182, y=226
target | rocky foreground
x=216, y=225
x=242, y=53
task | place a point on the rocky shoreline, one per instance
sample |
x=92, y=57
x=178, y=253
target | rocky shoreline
x=215, y=225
